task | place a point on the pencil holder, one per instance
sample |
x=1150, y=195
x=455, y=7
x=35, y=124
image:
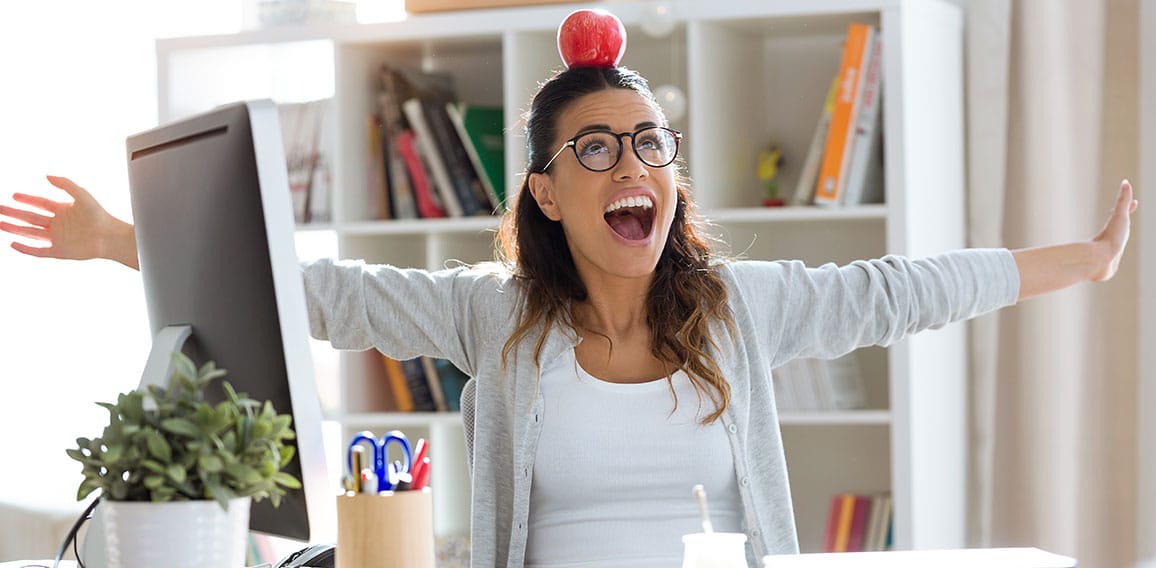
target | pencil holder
x=385, y=530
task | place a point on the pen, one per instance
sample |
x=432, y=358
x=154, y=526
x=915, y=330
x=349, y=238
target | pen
x=422, y=478
x=418, y=456
x=357, y=459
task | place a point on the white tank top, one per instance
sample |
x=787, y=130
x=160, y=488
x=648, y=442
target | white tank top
x=615, y=467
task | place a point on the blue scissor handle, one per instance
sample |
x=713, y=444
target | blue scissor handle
x=379, y=447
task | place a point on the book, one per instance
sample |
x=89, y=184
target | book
x=428, y=204
x=834, y=510
x=839, y=145
x=395, y=374
x=846, y=513
x=481, y=129
x=809, y=174
x=856, y=532
x=377, y=183
x=415, y=381
x=438, y=171
x=453, y=381
x=434, y=382
x=394, y=89
x=302, y=134
x=465, y=180
x=864, y=175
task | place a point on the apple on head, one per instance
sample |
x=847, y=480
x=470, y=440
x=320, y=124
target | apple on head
x=591, y=38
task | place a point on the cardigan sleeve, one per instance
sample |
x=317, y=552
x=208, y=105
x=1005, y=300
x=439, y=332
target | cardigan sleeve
x=831, y=310
x=404, y=313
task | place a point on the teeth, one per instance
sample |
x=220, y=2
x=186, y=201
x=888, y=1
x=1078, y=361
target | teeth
x=636, y=201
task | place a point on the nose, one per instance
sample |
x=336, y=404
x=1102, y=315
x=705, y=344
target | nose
x=629, y=166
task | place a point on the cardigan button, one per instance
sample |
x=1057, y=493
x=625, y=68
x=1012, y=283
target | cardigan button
x=733, y=429
x=745, y=481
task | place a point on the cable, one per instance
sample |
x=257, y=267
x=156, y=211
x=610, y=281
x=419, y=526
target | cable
x=86, y=515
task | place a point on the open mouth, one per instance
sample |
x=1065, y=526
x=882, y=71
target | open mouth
x=631, y=217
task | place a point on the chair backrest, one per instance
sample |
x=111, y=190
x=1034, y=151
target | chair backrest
x=469, y=395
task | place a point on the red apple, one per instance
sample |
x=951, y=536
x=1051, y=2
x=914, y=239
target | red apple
x=591, y=38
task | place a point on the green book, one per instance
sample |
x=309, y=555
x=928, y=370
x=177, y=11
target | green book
x=483, y=134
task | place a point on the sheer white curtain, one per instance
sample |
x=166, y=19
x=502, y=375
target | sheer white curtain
x=1052, y=126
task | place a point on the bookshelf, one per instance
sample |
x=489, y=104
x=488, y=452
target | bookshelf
x=728, y=58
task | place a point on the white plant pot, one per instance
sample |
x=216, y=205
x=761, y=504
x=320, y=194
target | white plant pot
x=183, y=534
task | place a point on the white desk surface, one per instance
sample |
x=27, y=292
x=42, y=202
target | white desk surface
x=966, y=558
x=984, y=557
x=37, y=563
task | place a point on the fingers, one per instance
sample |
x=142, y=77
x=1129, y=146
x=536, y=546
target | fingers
x=22, y=231
x=68, y=186
x=38, y=202
x=39, y=252
x=26, y=216
x=1124, y=200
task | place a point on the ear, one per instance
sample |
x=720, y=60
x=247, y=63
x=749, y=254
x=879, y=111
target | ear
x=542, y=188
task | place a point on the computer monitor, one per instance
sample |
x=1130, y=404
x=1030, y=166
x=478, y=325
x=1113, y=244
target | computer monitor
x=214, y=229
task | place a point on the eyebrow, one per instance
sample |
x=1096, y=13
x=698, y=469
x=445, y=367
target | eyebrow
x=593, y=127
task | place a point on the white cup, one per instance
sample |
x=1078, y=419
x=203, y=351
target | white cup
x=714, y=550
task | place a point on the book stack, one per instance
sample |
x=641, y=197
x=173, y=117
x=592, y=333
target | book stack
x=303, y=133
x=422, y=384
x=817, y=384
x=430, y=155
x=859, y=523
x=844, y=163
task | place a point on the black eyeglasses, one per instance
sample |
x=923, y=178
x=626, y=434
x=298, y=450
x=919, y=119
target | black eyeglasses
x=600, y=150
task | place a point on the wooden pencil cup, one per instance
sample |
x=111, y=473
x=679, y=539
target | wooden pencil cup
x=385, y=530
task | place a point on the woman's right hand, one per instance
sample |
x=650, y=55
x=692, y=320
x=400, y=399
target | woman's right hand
x=79, y=230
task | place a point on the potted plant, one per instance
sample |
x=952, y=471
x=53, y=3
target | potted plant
x=177, y=470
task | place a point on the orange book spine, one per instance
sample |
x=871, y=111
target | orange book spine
x=396, y=375
x=840, y=131
x=846, y=513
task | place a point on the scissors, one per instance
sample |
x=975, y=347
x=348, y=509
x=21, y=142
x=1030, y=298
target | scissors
x=388, y=474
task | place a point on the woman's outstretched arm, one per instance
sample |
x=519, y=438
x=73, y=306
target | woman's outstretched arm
x=79, y=230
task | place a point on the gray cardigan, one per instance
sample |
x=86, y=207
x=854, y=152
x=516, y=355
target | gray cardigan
x=782, y=309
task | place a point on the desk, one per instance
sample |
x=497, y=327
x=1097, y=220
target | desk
x=983, y=557
x=48, y=563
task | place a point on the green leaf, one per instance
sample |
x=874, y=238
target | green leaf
x=154, y=481
x=181, y=427
x=211, y=463
x=153, y=466
x=86, y=487
x=287, y=480
x=159, y=448
x=176, y=473
x=112, y=453
x=183, y=366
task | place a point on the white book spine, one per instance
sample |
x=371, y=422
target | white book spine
x=865, y=127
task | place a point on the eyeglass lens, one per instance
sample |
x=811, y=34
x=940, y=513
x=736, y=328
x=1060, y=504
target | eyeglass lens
x=600, y=151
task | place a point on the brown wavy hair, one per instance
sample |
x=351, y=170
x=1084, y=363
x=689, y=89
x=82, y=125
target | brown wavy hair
x=686, y=296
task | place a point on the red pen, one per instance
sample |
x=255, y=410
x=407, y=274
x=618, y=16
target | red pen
x=419, y=453
x=422, y=478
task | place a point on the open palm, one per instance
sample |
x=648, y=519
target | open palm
x=68, y=230
x=1116, y=231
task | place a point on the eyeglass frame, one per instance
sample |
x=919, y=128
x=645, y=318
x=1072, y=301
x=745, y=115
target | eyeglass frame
x=573, y=145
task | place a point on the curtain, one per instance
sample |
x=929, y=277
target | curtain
x=1052, y=111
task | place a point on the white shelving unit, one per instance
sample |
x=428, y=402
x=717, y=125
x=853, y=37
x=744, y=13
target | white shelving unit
x=754, y=72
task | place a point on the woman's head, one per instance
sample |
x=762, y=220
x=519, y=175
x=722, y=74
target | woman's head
x=569, y=225
x=582, y=224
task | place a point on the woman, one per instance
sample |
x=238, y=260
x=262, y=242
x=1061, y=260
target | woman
x=618, y=361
